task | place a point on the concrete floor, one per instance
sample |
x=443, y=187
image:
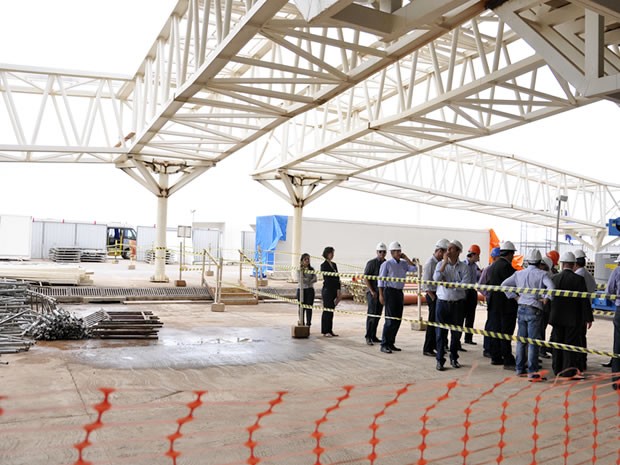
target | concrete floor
x=245, y=356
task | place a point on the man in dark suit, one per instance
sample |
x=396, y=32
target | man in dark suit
x=569, y=316
x=502, y=311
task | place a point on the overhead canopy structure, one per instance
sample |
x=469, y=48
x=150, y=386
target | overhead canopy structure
x=401, y=134
x=355, y=94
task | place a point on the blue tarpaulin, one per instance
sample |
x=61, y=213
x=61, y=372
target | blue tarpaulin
x=269, y=231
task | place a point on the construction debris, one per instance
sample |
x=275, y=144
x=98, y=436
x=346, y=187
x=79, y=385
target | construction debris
x=50, y=273
x=124, y=324
x=26, y=316
x=65, y=254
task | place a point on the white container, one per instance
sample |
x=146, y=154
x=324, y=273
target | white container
x=15, y=237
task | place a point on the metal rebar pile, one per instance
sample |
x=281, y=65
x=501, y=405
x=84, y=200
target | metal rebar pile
x=26, y=316
x=15, y=311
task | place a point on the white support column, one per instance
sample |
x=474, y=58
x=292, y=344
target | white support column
x=160, y=231
x=296, y=248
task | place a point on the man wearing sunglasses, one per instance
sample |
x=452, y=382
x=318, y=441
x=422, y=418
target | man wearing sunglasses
x=375, y=307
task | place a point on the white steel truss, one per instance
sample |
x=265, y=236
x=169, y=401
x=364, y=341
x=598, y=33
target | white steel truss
x=345, y=89
x=220, y=75
x=580, y=39
x=477, y=80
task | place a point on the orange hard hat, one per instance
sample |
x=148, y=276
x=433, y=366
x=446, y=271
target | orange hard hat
x=554, y=256
x=474, y=249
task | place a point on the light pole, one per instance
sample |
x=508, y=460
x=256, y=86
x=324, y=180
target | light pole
x=560, y=199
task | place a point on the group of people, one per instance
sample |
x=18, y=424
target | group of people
x=454, y=304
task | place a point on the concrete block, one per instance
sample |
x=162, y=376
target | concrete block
x=418, y=325
x=209, y=273
x=218, y=307
x=180, y=283
x=300, y=332
x=263, y=282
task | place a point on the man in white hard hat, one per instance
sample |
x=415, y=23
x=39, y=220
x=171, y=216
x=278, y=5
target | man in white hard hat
x=502, y=311
x=484, y=279
x=530, y=312
x=375, y=308
x=391, y=294
x=547, y=265
x=580, y=269
x=471, y=295
x=450, y=302
x=568, y=317
x=431, y=294
x=613, y=287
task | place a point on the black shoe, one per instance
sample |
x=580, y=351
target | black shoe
x=471, y=343
x=429, y=353
x=386, y=350
x=333, y=335
x=369, y=341
x=486, y=354
x=497, y=362
x=615, y=386
x=462, y=349
x=455, y=364
x=376, y=339
x=606, y=365
x=536, y=378
x=545, y=355
x=395, y=349
x=509, y=367
x=439, y=366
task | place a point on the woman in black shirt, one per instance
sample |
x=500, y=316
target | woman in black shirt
x=330, y=293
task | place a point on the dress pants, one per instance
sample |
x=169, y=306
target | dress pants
x=429, y=340
x=448, y=312
x=372, y=322
x=615, y=362
x=502, y=319
x=327, y=317
x=565, y=362
x=471, y=303
x=307, y=300
x=394, y=301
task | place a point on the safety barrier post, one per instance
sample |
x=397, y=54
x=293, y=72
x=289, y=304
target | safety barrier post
x=300, y=331
x=218, y=306
x=181, y=282
x=209, y=272
x=240, y=267
x=419, y=324
x=202, y=271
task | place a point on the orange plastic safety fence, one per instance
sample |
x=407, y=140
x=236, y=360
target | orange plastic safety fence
x=422, y=422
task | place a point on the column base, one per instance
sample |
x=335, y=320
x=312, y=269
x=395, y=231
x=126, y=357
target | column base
x=218, y=307
x=180, y=283
x=160, y=279
x=300, y=332
x=418, y=325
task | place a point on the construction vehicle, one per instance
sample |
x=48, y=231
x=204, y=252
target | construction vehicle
x=122, y=241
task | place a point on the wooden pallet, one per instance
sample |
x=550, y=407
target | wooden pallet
x=127, y=325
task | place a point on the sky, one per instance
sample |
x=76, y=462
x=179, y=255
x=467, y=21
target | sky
x=74, y=34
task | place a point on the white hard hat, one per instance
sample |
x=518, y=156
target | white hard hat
x=547, y=261
x=534, y=256
x=442, y=244
x=617, y=260
x=394, y=246
x=568, y=257
x=508, y=246
x=381, y=246
x=579, y=254
x=457, y=244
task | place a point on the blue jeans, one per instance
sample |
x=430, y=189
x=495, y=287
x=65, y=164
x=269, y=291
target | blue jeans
x=529, y=325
